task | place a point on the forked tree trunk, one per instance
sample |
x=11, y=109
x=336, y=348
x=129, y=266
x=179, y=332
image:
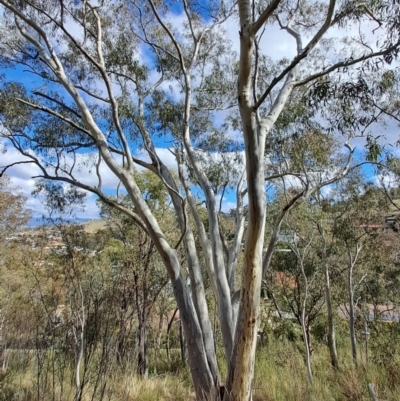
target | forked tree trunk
x=204, y=383
x=241, y=367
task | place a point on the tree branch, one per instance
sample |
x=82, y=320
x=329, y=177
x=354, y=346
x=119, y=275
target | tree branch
x=313, y=42
x=262, y=19
x=345, y=64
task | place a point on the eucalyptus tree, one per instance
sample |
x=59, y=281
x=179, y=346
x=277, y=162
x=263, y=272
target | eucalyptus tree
x=357, y=229
x=314, y=153
x=112, y=76
x=305, y=299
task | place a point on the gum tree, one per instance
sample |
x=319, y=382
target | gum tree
x=99, y=80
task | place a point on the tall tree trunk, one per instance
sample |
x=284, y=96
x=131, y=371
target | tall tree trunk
x=352, y=263
x=304, y=326
x=80, y=341
x=241, y=367
x=196, y=278
x=202, y=375
x=306, y=340
x=203, y=380
x=182, y=341
x=329, y=309
x=331, y=323
x=142, y=366
x=353, y=339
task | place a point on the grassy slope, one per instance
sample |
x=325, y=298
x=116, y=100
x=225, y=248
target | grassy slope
x=280, y=376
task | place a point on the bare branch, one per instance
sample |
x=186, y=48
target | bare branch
x=170, y=35
x=263, y=18
x=313, y=42
x=5, y=168
x=55, y=114
x=344, y=64
x=113, y=101
x=52, y=99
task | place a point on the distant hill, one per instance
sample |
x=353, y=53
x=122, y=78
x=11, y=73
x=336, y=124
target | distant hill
x=89, y=224
x=92, y=226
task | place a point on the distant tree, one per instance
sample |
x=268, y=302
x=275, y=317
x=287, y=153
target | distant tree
x=136, y=266
x=13, y=212
x=300, y=292
x=360, y=220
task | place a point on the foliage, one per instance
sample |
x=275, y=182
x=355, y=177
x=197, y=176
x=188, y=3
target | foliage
x=13, y=214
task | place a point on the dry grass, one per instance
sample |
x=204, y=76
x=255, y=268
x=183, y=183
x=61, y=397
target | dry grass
x=280, y=376
x=93, y=226
x=22, y=387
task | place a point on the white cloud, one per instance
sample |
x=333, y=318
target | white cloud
x=388, y=180
x=21, y=176
x=163, y=153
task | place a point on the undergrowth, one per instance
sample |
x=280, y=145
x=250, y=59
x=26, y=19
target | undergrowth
x=280, y=375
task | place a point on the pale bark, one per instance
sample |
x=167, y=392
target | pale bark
x=372, y=392
x=224, y=297
x=80, y=342
x=331, y=325
x=352, y=311
x=235, y=248
x=304, y=329
x=196, y=278
x=328, y=301
x=224, y=301
x=205, y=243
x=304, y=324
x=241, y=368
x=202, y=376
x=353, y=339
x=306, y=345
